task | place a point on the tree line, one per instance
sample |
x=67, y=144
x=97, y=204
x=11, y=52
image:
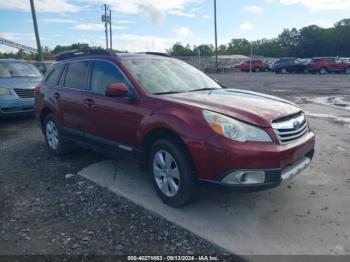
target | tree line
x=310, y=41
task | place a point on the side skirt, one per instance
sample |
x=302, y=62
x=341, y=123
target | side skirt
x=104, y=146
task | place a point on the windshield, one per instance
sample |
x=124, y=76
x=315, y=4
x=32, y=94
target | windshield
x=18, y=69
x=159, y=76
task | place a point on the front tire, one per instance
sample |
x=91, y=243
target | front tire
x=172, y=172
x=347, y=71
x=53, y=137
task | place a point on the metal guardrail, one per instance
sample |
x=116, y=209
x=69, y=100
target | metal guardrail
x=4, y=41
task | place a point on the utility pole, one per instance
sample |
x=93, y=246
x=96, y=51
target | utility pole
x=36, y=30
x=251, y=56
x=110, y=30
x=216, y=38
x=106, y=27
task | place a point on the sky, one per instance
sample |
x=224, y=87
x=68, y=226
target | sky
x=155, y=25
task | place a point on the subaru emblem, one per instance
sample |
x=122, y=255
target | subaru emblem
x=296, y=124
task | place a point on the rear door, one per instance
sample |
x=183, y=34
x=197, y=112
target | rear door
x=292, y=66
x=333, y=65
x=112, y=121
x=339, y=65
x=69, y=97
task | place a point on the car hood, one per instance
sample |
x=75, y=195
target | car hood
x=251, y=107
x=19, y=82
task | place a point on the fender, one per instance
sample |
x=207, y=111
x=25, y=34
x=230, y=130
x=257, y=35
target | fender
x=179, y=121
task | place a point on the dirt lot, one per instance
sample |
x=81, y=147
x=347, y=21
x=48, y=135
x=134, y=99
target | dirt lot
x=45, y=208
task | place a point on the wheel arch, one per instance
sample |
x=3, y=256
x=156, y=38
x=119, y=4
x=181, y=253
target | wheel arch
x=161, y=132
x=45, y=112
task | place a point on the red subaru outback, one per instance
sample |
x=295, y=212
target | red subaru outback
x=184, y=126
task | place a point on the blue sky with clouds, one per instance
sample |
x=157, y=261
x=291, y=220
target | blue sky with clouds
x=140, y=25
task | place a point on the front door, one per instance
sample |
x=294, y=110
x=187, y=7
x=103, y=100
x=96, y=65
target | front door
x=111, y=120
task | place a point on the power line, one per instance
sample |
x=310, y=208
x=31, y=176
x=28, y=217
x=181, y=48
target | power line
x=19, y=46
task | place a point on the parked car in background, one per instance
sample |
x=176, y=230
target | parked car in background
x=254, y=65
x=179, y=123
x=325, y=65
x=43, y=66
x=345, y=59
x=17, y=82
x=288, y=65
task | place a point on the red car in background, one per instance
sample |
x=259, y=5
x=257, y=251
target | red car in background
x=325, y=65
x=179, y=123
x=256, y=66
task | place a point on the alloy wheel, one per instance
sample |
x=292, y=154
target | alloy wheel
x=166, y=173
x=52, y=134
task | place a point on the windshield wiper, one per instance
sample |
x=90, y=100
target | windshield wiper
x=204, y=89
x=168, y=93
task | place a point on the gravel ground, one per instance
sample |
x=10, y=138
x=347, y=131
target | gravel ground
x=46, y=209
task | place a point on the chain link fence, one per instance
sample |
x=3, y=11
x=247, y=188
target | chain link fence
x=225, y=63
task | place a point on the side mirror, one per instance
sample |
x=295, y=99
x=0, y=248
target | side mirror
x=117, y=90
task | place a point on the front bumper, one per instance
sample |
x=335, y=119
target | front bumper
x=266, y=165
x=270, y=177
x=16, y=106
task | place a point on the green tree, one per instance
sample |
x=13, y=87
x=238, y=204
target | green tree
x=179, y=50
x=205, y=50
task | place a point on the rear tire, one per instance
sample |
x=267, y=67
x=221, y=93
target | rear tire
x=53, y=137
x=323, y=71
x=284, y=71
x=172, y=171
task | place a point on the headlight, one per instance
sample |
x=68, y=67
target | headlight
x=234, y=129
x=4, y=91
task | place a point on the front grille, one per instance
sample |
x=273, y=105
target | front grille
x=24, y=93
x=291, y=129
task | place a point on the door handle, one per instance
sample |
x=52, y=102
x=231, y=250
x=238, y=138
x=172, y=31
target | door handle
x=56, y=95
x=89, y=102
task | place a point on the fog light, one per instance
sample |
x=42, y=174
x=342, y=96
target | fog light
x=244, y=178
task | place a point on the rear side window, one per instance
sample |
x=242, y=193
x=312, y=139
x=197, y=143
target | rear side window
x=103, y=74
x=330, y=60
x=54, y=75
x=76, y=75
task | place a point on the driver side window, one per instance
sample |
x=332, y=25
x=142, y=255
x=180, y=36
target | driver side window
x=103, y=74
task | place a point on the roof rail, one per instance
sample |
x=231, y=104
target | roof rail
x=155, y=53
x=78, y=53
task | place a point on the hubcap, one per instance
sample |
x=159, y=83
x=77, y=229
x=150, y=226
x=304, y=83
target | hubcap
x=323, y=71
x=166, y=173
x=284, y=71
x=52, y=134
x=347, y=71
